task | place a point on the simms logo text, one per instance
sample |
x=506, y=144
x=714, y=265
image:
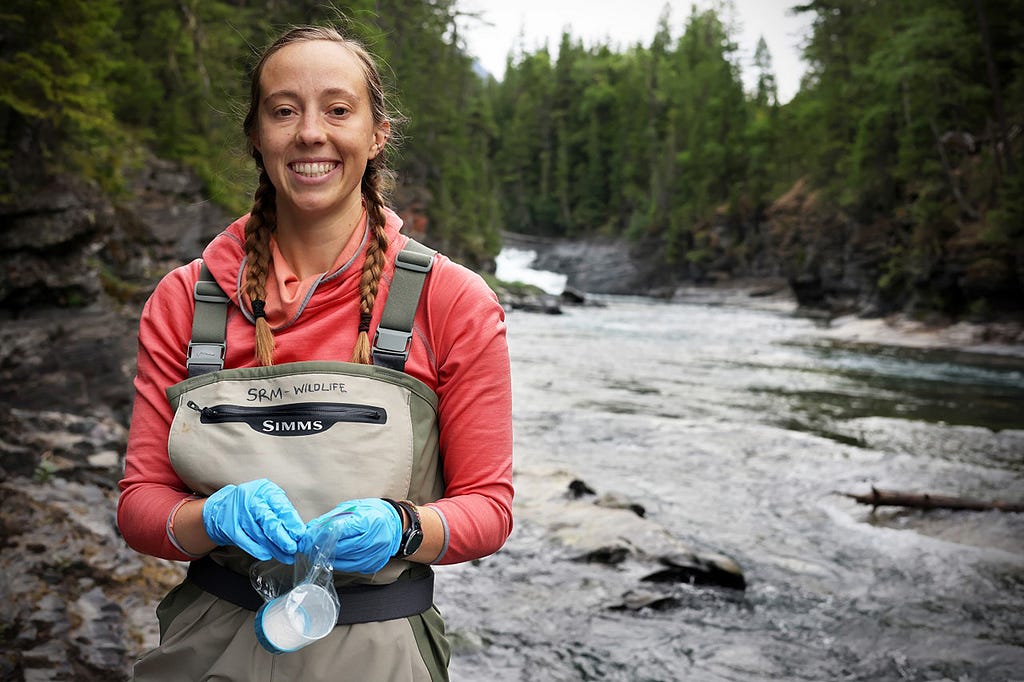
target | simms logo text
x=296, y=427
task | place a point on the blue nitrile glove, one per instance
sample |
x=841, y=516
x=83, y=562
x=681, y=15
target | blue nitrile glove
x=371, y=530
x=256, y=517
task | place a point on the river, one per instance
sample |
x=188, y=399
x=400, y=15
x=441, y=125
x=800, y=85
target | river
x=736, y=426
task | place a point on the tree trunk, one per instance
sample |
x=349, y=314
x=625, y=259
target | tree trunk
x=954, y=183
x=1003, y=147
x=892, y=498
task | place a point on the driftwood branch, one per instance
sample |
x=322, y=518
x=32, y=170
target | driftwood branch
x=893, y=498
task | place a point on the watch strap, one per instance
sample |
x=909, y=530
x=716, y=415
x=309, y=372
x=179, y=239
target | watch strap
x=411, y=536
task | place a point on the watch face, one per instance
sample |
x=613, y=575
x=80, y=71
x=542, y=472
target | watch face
x=413, y=542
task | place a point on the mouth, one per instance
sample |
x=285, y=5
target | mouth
x=314, y=169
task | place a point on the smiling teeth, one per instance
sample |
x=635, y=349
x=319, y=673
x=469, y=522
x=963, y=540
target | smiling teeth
x=313, y=170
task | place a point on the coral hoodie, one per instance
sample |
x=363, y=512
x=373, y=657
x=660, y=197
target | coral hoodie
x=459, y=350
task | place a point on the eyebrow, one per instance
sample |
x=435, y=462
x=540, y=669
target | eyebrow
x=329, y=92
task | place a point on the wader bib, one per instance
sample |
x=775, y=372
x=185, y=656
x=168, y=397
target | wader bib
x=325, y=432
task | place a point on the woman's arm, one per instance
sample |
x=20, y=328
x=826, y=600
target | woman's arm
x=468, y=338
x=150, y=488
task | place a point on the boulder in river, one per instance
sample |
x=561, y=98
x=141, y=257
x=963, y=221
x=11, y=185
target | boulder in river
x=611, y=532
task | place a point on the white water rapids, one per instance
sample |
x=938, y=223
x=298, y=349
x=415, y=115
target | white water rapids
x=735, y=427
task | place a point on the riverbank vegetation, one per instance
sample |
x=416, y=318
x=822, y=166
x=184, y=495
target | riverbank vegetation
x=894, y=173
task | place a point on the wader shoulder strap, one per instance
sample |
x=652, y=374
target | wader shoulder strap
x=391, y=342
x=206, y=349
x=394, y=334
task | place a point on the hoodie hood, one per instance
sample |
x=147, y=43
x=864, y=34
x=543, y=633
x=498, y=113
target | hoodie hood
x=287, y=294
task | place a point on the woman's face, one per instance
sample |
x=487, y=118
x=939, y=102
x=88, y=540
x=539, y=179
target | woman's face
x=315, y=129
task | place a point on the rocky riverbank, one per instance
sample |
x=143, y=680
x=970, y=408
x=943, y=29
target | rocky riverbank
x=77, y=266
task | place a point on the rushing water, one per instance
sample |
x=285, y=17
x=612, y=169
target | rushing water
x=736, y=427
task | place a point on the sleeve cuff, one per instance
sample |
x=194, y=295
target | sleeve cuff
x=174, y=540
x=447, y=534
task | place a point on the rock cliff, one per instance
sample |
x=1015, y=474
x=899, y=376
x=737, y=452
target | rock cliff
x=76, y=267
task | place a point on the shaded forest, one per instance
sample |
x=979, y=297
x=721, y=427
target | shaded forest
x=891, y=181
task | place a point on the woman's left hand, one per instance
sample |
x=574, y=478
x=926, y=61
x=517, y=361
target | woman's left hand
x=370, y=533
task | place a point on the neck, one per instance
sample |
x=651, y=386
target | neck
x=312, y=243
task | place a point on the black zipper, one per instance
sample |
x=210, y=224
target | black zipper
x=293, y=419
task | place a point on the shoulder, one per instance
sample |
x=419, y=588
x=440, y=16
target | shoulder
x=460, y=307
x=452, y=279
x=174, y=293
x=180, y=279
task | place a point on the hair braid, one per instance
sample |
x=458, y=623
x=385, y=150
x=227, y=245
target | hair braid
x=262, y=222
x=376, y=251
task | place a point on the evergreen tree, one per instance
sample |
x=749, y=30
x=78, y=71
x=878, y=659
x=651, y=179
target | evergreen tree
x=55, y=109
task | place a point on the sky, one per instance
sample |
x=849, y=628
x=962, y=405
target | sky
x=623, y=23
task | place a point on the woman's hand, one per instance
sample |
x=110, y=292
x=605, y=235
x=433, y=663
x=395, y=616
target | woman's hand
x=256, y=517
x=370, y=533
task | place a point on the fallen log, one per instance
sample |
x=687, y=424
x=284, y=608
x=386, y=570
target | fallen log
x=893, y=498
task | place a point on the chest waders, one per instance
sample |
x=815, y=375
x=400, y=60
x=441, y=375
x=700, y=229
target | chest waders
x=324, y=431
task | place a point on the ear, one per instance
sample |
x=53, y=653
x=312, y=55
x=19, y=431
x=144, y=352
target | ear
x=380, y=138
x=255, y=140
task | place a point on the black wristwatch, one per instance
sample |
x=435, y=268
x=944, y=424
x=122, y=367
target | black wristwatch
x=412, y=537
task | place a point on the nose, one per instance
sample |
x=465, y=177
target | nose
x=311, y=131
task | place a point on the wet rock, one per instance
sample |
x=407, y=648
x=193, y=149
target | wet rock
x=79, y=600
x=637, y=600
x=47, y=661
x=602, y=265
x=715, y=570
x=609, y=556
x=81, y=363
x=49, y=244
x=534, y=303
x=615, y=534
x=99, y=639
x=578, y=488
x=573, y=296
x=614, y=501
x=47, y=442
x=168, y=204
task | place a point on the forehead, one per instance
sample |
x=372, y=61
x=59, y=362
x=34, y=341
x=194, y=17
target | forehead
x=313, y=66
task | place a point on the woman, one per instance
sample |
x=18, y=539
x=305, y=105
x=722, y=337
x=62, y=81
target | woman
x=231, y=467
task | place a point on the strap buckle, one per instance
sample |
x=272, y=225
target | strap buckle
x=209, y=292
x=416, y=262
x=205, y=355
x=393, y=341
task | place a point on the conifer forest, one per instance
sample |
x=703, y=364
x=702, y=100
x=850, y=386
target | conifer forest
x=904, y=141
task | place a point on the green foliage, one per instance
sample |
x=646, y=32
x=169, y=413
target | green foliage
x=896, y=124
x=86, y=82
x=650, y=141
x=909, y=116
x=53, y=69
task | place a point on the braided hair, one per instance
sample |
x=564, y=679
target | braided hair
x=377, y=181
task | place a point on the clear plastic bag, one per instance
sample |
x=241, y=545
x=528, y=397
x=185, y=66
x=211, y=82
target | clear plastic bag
x=301, y=603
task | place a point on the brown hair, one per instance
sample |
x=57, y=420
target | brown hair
x=377, y=180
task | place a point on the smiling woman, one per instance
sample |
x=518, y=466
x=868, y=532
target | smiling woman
x=257, y=416
x=316, y=132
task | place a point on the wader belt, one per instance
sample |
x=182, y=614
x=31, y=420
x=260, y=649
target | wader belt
x=359, y=603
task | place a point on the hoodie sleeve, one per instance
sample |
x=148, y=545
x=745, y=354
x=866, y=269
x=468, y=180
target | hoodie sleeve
x=150, y=488
x=468, y=338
